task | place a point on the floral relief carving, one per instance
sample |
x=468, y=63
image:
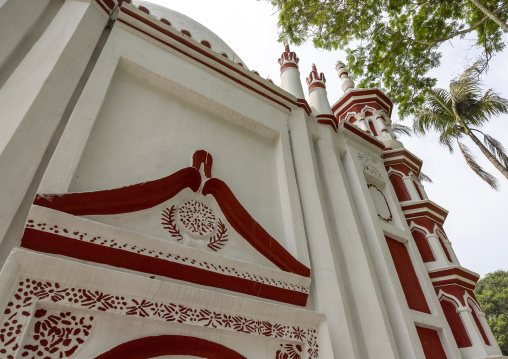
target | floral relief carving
x=217, y=240
x=369, y=164
x=290, y=351
x=168, y=222
x=57, y=335
x=54, y=331
x=198, y=220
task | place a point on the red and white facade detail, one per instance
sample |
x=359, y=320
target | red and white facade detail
x=160, y=199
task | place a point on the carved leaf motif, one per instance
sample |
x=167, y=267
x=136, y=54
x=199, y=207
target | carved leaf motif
x=220, y=238
x=168, y=222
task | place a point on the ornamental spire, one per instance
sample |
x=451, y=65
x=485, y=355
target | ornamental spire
x=347, y=83
x=289, y=73
x=288, y=59
x=315, y=79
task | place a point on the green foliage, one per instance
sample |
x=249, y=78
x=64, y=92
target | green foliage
x=391, y=44
x=492, y=294
x=458, y=112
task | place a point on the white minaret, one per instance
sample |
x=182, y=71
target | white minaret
x=289, y=73
x=347, y=83
x=318, y=99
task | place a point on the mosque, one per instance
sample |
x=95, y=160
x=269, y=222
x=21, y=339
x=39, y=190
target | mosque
x=161, y=200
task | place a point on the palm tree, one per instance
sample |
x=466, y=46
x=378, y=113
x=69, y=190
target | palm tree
x=460, y=112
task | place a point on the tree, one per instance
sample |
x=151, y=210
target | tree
x=393, y=44
x=492, y=294
x=460, y=112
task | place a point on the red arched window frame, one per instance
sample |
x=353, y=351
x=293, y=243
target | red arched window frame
x=400, y=187
x=423, y=245
x=456, y=325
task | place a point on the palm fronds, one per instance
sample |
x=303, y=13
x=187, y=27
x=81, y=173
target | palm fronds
x=496, y=148
x=424, y=178
x=475, y=166
x=399, y=129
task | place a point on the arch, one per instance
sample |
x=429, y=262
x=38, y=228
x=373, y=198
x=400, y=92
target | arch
x=423, y=245
x=450, y=309
x=156, y=346
x=399, y=186
x=368, y=108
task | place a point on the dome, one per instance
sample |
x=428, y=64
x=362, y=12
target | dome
x=191, y=28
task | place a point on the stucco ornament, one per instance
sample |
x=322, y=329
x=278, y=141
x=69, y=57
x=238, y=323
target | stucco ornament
x=196, y=218
x=369, y=164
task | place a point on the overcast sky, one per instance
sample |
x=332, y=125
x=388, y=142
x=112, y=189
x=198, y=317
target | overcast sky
x=477, y=213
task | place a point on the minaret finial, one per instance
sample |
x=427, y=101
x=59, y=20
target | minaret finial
x=315, y=79
x=347, y=83
x=288, y=59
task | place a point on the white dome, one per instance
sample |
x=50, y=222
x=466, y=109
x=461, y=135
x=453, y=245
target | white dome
x=197, y=31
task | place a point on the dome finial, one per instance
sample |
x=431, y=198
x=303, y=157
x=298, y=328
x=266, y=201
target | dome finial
x=347, y=83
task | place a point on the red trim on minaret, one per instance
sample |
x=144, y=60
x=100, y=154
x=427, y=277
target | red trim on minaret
x=162, y=345
x=249, y=229
x=53, y=243
x=288, y=59
x=125, y=199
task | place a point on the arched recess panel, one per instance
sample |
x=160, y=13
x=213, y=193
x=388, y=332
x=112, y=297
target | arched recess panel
x=478, y=323
x=456, y=325
x=399, y=187
x=153, y=347
x=423, y=246
x=431, y=344
x=407, y=276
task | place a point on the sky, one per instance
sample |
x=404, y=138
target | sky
x=476, y=212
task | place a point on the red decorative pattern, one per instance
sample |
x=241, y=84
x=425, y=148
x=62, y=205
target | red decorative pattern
x=29, y=292
x=57, y=336
x=220, y=238
x=290, y=351
x=168, y=222
x=197, y=218
x=44, y=227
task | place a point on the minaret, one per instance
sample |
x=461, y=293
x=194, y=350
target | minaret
x=347, y=83
x=318, y=99
x=289, y=73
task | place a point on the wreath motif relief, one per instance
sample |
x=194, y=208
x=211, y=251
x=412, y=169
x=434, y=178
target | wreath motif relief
x=198, y=220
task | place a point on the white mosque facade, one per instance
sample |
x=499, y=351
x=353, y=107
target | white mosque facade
x=161, y=200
